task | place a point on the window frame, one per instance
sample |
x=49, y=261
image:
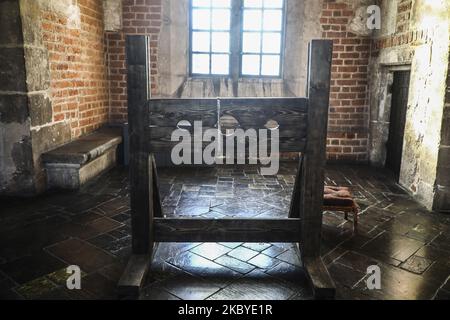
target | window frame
x=210, y=53
x=236, y=45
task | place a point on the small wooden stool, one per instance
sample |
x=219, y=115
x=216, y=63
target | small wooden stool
x=341, y=199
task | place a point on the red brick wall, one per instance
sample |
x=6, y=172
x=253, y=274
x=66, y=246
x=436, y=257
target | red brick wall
x=78, y=70
x=349, y=110
x=139, y=17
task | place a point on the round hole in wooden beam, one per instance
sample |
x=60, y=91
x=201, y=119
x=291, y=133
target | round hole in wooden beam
x=184, y=125
x=228, y=125
x=272, y=125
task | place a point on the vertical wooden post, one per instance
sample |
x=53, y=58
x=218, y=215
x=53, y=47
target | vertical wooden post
x=141, y=167
x=312, y=186
x=294, y=211
x=157, y=204
x=140, y=163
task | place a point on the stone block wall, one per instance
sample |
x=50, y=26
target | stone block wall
x=16, y=166
x=415, y=38
x=442, y=196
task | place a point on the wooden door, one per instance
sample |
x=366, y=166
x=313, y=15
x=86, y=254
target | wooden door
x=400, y=90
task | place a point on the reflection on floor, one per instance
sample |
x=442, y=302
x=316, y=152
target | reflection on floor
x=40, y=237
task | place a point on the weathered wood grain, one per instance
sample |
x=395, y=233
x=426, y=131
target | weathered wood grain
x=133, y=277
x=321, y=282
x=294, y=211
x=290, y=140
x=312, y=187
x=303, y=128
x=251, y=113
x=157, y=203
x=289, y=113
x=169, y=112
x=227, y=230
x=141, y=177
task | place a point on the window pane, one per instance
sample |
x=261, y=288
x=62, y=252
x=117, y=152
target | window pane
x=201, y=3
x=201, y=19
x=270, y=66
x=253, y=3
x=250, y=65
x=220, y=64
x=221, y=42
x=271, y=42
x=221, y=19
x=273, y=20
x=273, y=3
x=252, y=20
x=200, y=63
x=221, y=3
x=200, y=41
x=251, y=42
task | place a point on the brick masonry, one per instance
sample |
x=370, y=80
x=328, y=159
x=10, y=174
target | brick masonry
x=78, y=70
x=349, y=111
x=139, y=17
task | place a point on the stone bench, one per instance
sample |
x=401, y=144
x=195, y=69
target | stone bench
x=74, y=164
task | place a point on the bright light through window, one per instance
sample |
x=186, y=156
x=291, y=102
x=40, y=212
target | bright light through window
x=261, y=40
x=210, y=37
x=258, y=40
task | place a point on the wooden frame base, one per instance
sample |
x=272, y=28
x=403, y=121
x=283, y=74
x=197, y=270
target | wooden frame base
x=302, y=128
x=227, y=230
x=320, y=280
x=133, y=278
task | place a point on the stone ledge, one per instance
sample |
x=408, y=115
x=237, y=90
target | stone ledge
x=85, y=149
x=72, y=165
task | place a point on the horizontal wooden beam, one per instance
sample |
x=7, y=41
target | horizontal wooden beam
x=250, y=112
x=226, y=230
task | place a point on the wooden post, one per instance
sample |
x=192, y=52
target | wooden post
x=141, y=167
x=157, y=204
x=313, y=175
x=294, y=211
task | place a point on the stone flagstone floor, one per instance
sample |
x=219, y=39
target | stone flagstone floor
x=40, y=237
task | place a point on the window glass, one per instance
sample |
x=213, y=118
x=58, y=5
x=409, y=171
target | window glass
x=200, y=41
x=200, y=63
x=271, y=43
x=260, y=39
x=221, y=42
x=262, y=35
x=250, y=64
x=220, y=64
x=270, y=65
x=251, y=42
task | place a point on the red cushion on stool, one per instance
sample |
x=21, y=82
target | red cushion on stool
x=338, y=197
